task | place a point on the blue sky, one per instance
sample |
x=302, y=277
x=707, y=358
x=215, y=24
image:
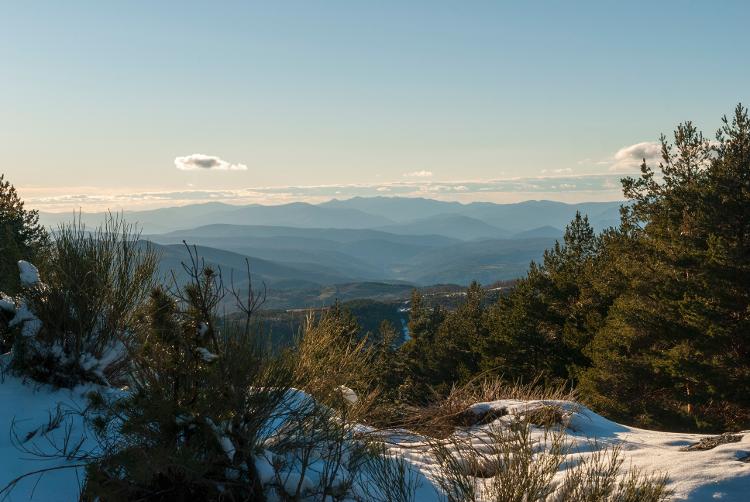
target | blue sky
x=310, y=100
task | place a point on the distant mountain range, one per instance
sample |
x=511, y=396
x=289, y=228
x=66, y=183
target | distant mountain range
x=370, y=213
x=376, y=247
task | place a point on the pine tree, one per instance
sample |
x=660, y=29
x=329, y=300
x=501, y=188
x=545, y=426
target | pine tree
x=544, y=325
x=674, y=349
x=456, y=351
x=21, y=236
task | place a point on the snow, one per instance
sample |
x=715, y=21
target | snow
x=30, y=324
x=28, y=273
x=27, y=409
x=7, y=304
x=710, y=475
x=694, y=475
x=206, y=354
x=348, y=394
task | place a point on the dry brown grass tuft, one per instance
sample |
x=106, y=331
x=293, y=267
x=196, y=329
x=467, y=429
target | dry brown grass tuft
x=441, y=418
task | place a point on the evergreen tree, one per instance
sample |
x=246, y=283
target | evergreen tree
x=674, y=348
x=420, y=321
x=542, y=327
x=21, y=236
x=456, y=351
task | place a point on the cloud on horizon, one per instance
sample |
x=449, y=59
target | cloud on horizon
x=561, y=187
x=418, y=174
x=629, y=158
x=201, y=162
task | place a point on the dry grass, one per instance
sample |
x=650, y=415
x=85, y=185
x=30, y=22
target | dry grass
x=509, y=464
x=441, y=418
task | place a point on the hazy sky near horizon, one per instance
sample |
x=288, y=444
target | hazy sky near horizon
x=144, y=104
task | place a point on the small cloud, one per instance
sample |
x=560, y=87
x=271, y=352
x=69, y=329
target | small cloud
x=200, y=162
x=418, y=174
x=383, y=189
x=629, y=158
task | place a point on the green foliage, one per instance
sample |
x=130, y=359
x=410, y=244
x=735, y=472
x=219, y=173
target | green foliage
x=93, y=285
x=542, y=326
x=200, y=400
x=21, y=236
x=650, y=319
x=674, y=347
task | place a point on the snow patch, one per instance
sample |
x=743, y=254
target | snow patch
x=206, y=354
x=29, y=274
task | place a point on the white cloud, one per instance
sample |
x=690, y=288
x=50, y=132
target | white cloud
x=201, y=162
x=418, y=174
x=564, y=186
x=629, y=158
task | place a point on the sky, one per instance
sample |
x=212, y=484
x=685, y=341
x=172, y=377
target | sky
x=140, y=104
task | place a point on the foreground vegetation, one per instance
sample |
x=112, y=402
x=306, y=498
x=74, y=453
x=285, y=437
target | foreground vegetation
x=648, y=322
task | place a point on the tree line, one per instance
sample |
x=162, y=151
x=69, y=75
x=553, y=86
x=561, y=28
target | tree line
x=649, y=321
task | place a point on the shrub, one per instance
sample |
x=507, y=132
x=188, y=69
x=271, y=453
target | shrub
x=213, y=414
x=201, y=398
x=86, y=309
x=508, y=463
x=21, y=236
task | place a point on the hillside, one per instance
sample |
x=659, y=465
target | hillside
x=456, y=226
x=366, y=255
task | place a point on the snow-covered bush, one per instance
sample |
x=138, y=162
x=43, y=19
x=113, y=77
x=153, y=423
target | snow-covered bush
x=76, y=321
x=213, y=414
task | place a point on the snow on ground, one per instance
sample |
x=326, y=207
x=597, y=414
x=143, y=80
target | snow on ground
x=26, y=409
x=715, y=474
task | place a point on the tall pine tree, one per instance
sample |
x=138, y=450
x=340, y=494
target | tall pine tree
x=674, y=349
x=21, y=235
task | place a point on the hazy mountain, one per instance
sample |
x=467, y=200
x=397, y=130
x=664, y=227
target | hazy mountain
x=367, y=255
x=302, y=250
x=302, y=286
x=532, y=214
x=233, y=264
x=336, y=235
x=298, y=253
x=545, y=231
x=398, y=209
x=484, y=261
x=297, y=214
x=300, y=214
x=368, y=213
x=360, y=254
x=516, y=217
x=451, y=225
